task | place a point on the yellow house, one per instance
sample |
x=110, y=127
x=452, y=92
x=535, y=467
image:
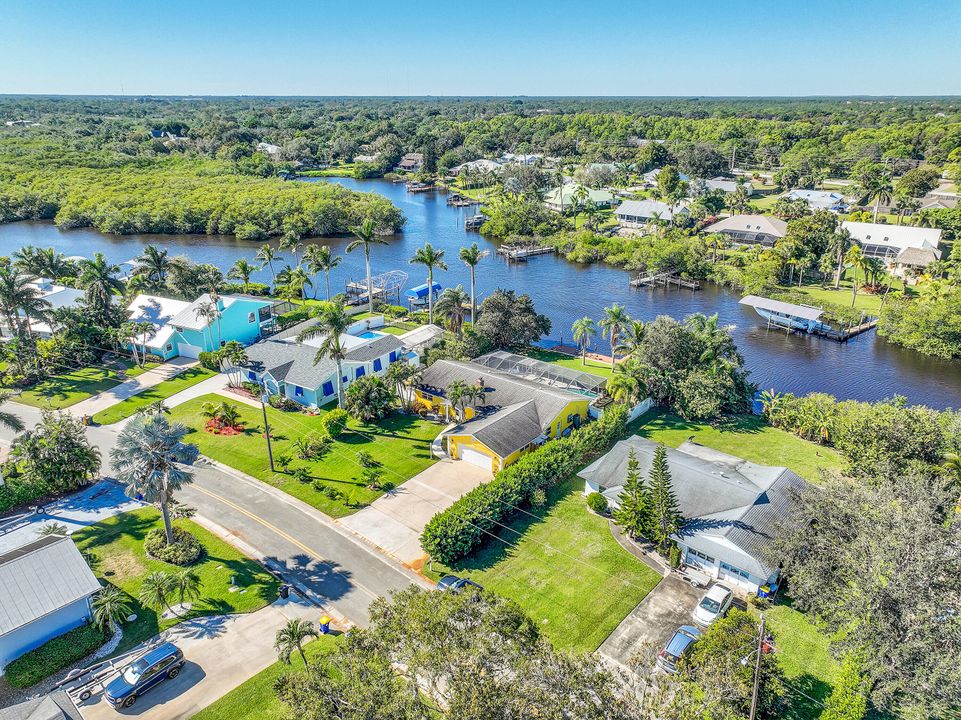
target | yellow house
x=514, y=414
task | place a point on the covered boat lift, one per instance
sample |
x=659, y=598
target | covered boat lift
x=786, y=315
x=417, y=296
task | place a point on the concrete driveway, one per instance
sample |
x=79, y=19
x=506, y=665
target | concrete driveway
x=134, y=386
x=654, y=620
x=393, y=522
x=221, y=653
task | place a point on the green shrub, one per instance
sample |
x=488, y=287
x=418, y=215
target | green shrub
x=597, y=503
x=209, y=361
x=279, y=402
x=293, y=317
x=393, y=311
x=334, y=422
x=54, y=655
x=455, y=532
x=185, y=550
x=251, y=387
x=538, y=497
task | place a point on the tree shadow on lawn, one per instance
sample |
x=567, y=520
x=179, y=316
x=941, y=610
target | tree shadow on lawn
x=126, y=525
x=665, y=422
x=811, y=707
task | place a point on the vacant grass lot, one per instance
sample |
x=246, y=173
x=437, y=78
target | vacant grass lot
x=256, y=699
x=69, y=388
x=115, y=547
x=162, y=391
x=564, y=567
x=746, y=436
x=401, y=444
x=593, y=366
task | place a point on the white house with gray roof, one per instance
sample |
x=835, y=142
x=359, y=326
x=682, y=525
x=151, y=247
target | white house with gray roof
x=638, y=213
x=732, y=508
x=750, y=229
x=45, y=589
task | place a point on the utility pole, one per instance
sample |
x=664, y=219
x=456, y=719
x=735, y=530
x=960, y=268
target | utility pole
x=263, y=406
x=757, y=668
x=733, y=155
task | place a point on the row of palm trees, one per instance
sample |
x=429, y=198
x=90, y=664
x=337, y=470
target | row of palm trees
x=624, y=333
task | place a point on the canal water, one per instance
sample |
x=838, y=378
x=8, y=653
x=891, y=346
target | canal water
x=865, y=368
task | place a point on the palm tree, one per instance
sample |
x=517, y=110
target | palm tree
x=187, y=585
x=431, y=258
x=232, y=358
x=147, y=459
x=366, y=236
x=154, y=264
x=583, y=329
x=20, y=301
x=623, y=385
x=320, y=258
x=632, y=337
x=42, y=263
x=8, y=419
x=613, y=323
x=875, y=184
x=242, y=270
x=110, y=607
x=451, y=304
x=291, y=242
x=99, y=281
x=295, y=280
x=471, y=257
x=856, y=259
x=266, y=255
x=840, y=243
x=208, y=312
x=157, y=590
x=333, y=322
x=291, y=637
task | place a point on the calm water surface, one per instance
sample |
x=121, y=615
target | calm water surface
x=866, y=368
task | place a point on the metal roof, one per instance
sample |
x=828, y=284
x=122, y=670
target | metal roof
x=538, y=371
x=40, y=578
x=804, y=312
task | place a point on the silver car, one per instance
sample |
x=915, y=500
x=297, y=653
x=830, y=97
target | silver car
x=715, y=603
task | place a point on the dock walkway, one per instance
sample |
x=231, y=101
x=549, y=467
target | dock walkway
x=666, y=279
x=520, y=253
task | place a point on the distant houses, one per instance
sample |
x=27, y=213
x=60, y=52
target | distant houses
x=411, y=163
x=566, y=196
x=481, y=165
x=820, y=199
x=45, y=590
x=723, y=184
x=58, y=296
x=907, y=250
x=751, y=229
x=520, y=159
x=639, y=213
x=732, y=509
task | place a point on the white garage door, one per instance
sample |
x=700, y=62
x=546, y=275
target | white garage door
x=476, y=458
x=187, y=350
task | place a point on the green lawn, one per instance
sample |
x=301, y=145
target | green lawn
x=763, y=203
x=564, y=568
x=401, y=443
x=69, y=388
x=593, y=366
x=392, y=330
x=162, y=391
x=256, y=699
x=870, y=303
x=746, y=436
x=116, y=547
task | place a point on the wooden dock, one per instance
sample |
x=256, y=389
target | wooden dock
x=520, y=253
x=663, y=279
x=847, y=333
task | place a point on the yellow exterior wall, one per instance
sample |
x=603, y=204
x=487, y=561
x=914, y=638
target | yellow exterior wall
x=441, y=406
x=455, y=443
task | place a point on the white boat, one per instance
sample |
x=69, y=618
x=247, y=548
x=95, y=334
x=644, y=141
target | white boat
x=787, y=315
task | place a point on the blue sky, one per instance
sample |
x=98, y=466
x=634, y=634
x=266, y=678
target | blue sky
x=485, y=47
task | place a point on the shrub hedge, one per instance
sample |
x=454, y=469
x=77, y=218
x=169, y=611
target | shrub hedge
x=54, y=655
x=455, y=532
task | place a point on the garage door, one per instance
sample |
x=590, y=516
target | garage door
x=187, y=350
x=475, y=457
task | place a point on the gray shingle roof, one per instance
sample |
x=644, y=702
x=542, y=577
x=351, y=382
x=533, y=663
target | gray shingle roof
x=506, y=430
x=375, y=348
x=725, y=500
x=290, y=362
x=40, y=578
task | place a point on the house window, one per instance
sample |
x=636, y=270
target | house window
x=222, y=343
x=328, y=389
x=251, y=317
x=735, y=571
x=360, y=372
x=299, y=391
x=698, y=554
x=178, y=329
x=393, y=356
x=345, y=378
x=377, y=365
x=169, y=347
x=252, y=376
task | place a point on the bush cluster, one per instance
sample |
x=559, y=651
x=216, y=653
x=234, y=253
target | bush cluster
x=597, y=503
x=185, y=550
x=293, y=317
x=334, y=422
x=455, y=532
x=209, y=361
x=54, y=655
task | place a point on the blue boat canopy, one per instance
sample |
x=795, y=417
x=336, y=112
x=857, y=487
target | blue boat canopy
x=421, y=290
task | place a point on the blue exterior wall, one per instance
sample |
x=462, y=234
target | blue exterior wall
x=235, y=324
x=16, y=643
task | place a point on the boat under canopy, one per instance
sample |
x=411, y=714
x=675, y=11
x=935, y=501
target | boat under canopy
x=785, y=314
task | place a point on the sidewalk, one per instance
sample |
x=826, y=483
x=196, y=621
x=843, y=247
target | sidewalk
x=222, y=652
x=134, y=386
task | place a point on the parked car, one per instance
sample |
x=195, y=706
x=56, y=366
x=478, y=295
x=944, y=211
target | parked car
x=145, y=673
x=715, y=603
x=455, y=584
x=677, y=647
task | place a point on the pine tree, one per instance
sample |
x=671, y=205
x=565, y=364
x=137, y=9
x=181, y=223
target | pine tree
x=667, y=516
x=847, y=700
x=633, y=513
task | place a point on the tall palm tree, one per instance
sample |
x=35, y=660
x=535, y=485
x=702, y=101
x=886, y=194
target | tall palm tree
x=451, y=304
x=147, y=459
x=333, y=322
x=266, y=255
x=40, y=262
x=291, y=638
x=858, y=262
x=612, y=324
x=207, y=312
x=365, y=236
x=320, y=258
x=8, y=419
x=875, y=184
x=430, y=257
x=583, y=330
x=99, y=281
x=838, y=246
x=242, y=270
x=20, y=301
x=187, y=585
x=110, y=607
x=153, y=263
x=632, y=337
x=623, y=385
x=291, y=243
x=471, y=257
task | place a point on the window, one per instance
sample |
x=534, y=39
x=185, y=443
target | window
x=251, y=317
x=345, y=378
x=377, y=365
x=169, y=347
x=735, y=571
x=393, y=356
x=328, y=388
x=222, y=343
x=252, y=376
x=299, y=391
x=698, y=554
x=360, y=372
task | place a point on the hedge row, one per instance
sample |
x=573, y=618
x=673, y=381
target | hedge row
x=54, y=655
x=455, y=532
